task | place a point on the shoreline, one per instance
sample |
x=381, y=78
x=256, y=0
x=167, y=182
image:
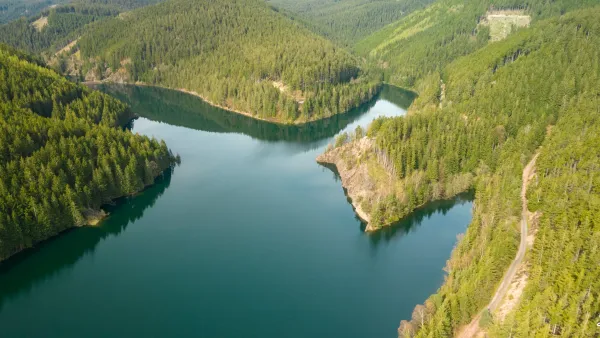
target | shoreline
x=297, y=122
x=93, y=218
x=360, y=213
x=353, y=179
x=358, y=183
x=412, y=90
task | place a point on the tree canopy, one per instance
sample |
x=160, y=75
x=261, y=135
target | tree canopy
x=63, y=153
x=429, y=39
x=348, y=21
x=486, y=115
x=238, y=54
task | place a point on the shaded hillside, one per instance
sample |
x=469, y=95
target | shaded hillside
x=54, y=29
x=14, y=9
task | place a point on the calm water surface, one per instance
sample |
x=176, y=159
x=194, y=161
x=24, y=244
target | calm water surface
x=249, y=237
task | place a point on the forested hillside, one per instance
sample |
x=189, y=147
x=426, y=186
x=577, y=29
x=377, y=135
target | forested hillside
x=536, y=91
x=429, y=39
x=53, y=28
x=238, y=54
x=123, y=5
x=14, y=9
x=63, y=153
x=58, y=26
x=348, y=21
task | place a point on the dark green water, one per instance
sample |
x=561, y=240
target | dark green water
x=249, y=237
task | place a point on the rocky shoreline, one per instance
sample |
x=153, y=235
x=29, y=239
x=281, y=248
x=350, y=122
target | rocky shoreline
x=360, y=187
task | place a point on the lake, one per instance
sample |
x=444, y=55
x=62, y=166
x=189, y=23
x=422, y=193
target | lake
x=248, y=237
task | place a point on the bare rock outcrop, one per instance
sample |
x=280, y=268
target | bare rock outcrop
x=353, y=168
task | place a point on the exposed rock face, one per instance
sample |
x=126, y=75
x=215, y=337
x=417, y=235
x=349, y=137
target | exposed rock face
x=350, y=161
x=378, y=196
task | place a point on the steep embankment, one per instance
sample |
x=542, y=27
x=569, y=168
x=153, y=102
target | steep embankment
x=356, y=180
x=63, y=153
x=231, y=53
x=379, y=196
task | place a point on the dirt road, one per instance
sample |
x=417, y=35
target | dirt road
x=472, y=329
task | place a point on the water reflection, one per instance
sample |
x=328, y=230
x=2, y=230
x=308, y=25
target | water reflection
x=180, y=109
x=411, y=222
x=24, y=271
x=415, y=219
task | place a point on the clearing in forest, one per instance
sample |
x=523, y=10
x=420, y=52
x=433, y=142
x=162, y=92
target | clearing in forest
x=40, y=23
x=502, y=23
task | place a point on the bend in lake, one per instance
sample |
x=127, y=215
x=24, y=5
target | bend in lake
x=249, y=236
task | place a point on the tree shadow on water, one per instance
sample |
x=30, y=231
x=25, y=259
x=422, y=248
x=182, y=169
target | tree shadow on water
x=412, y=222
x=185, y=110
x=22, y=272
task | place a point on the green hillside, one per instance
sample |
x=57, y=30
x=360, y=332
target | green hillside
x=63, y=153
x=238, y=54
x=350, y=20
x=14, y=9
x=51, y=29
x=429, y=39
x=54, y=29
x=536, y=91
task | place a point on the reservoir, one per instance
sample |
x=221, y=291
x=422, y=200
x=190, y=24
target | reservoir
x=248, y=237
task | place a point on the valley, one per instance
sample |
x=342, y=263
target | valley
x=286, y=165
